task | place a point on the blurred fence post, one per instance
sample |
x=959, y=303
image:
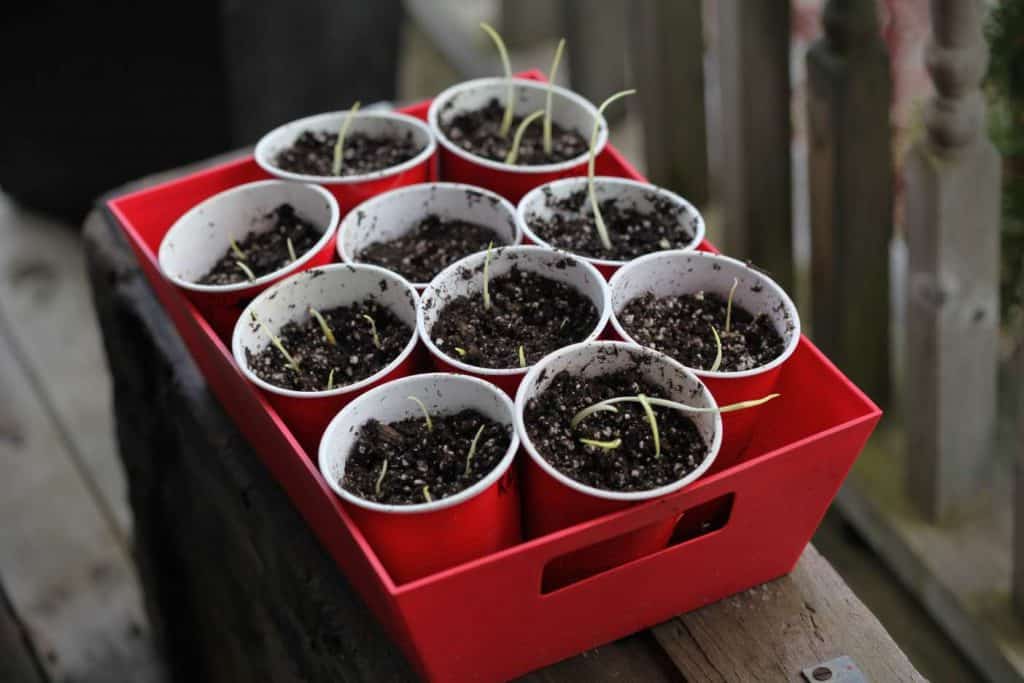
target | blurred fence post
x=595, y=34
x=756, y=134
x=953, y=219
x=1018, y=493
x=851, y=188
x=667, y=47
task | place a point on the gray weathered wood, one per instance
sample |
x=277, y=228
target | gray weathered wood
x=753, y=39
x=1018, y=492
x=595, y=35
x=667, y=50
x=774, y=631
x=851, y=188
x=952, y=207
x=528, y=22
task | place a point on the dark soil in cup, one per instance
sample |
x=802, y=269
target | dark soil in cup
x=633, y=465
x=631, y=231
x=353, y=357
x=429, y=247
x=418, y=458
x=266, y=250
x=479, y=132
x=527, y=309
x=680, y=326
x=312, y=153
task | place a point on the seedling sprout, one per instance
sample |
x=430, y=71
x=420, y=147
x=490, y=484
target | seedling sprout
x=653, y=422
x=517, y=139
x=373, y=329
x=291, y=249
x=487, y=265
x=380, y=478
x=276, y=341
x=247, y=270
x=324, y=327
x=330, y=379
x=602, y=231
x=235, y=248
x=461, y=351
x=426, y=415
x=606, y=445
x=339, y=146
x=426, y=494
x=551, y=90
x=728, y=304
x=510, y=95
x=472, y=448
x=718, y=350
x=522, y=356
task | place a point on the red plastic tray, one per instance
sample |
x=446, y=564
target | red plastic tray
x=490, y=619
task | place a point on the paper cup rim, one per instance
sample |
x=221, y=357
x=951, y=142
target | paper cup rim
x=766, y=280
x=627, y=496
x=499, y=470
x=238, y=350
x=530, y=196
x=604, y=314
x=284, y=271
x=262, y=154
x=447, y=93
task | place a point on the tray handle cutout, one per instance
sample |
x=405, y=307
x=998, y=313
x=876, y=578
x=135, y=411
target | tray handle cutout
x=603, y=556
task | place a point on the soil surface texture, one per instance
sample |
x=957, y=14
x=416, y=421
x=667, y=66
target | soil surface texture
x=479, y=132
x=632, y=232
x=264, y=250
x=417, y=462
x=353, y=357
x=312, y=153
x=428, y=248
x=527, y=310
x=680, y=326
x=631, y=466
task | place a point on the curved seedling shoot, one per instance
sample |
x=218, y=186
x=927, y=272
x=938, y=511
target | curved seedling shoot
x=239, y=254
x=276, y=341
x=324, y=327
x=551, y=89
x=522, y=356
x=330, y=379
x=510, y=95
x=472, y=448
x=602, y=231
x=461, y=351
x=291, y=249
x=380, y=478
x=718, y=350
x=653, y=422
x=426, y=415
x=609, y=405
x=606, y=445
x=487, y=274
x=517, y=139
x=339, y=146
x=426, y=494
x=373, y=329
x=246, y=269
x=728, y=304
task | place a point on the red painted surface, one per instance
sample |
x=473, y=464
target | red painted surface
x=488, y=618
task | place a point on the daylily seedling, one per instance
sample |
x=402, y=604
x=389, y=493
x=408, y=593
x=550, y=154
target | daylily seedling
x=522, y=356
x=487, y=265
x=602, y=231
x=373, y=329
x=426, y=494
x=472, y=447
x=276, y=341
x=506, y=120
x=330, y=379
x=718, y=350
x=606, y=445
x=647, y=402
x=461, y=351
x=291, y=249
x=380, y=479
x=339, y=146
x=247, y=270
x=517, y=139
x=551, y=90
x=324, y=327
x=235, y=248
x=728, y=304
x=426, y=415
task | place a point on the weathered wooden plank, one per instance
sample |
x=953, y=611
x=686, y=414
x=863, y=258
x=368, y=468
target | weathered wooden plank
x=527, y=22
x=667, y=51
x=44, y=289
x=851, y=188
x=753, y=42
x=596, y=48
x=952, y=206
x=67, y=575
x=774, y=631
